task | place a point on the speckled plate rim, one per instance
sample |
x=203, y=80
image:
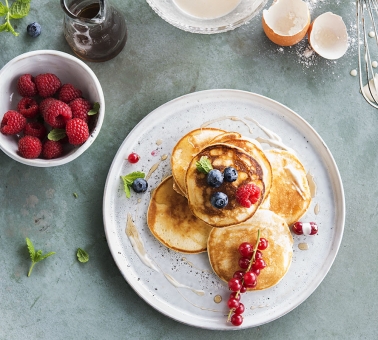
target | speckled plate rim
x=185, y=23
x=164, y=112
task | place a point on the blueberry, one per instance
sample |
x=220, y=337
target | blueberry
x=219, y=200
x=230, y=174
x=34, y=29
x=139, y=185
x=214, y=178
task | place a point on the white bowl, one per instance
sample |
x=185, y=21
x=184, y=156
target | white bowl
x=69, y=69
x=173, y=14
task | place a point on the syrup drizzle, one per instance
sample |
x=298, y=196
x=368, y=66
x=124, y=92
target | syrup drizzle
x=155, y=166
x=138, y=246
x=193, y=266
x=137, y=243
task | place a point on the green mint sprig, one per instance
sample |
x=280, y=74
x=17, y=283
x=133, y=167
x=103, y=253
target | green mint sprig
x=129, y=179
x=204, y=165
x=94, y=110
x=36, y=256
x=18, y=10
x=82, y=255
x=56, y=134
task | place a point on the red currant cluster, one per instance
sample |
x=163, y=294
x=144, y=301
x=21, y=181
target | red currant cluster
x=252, y=263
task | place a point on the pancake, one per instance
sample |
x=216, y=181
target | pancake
x=199, y=192
x=258, y=154
x=225, y=137
x=223, y=244
x=186, y=148
x=290, y=194
x=172, y=223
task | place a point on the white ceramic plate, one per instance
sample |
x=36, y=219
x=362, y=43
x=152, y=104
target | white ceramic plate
x=153, y=138
x=242, y=14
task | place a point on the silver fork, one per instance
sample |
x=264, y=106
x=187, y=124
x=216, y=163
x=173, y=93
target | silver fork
x=367, y=13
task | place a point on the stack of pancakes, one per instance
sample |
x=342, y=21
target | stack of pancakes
x=182, y=218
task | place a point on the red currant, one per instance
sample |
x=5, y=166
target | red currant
x=259, y=264
x=249, y=279
x=239, y=274
x=251, y=286
x=236, y=319
x=233, y=303
x=244, y=262
x=240, y=309
x=133, y=157
x=243, y=289
x=258, y=255
x=235, y=295
x=305, y=228
x=256, y=271
x=263, y=244
x=246, y=249
x=234, y=284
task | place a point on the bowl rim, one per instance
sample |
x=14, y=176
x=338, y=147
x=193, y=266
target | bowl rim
x=39, y=162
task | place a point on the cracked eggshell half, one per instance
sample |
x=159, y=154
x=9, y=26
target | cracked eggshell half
x=328, y=36
x=286, y=22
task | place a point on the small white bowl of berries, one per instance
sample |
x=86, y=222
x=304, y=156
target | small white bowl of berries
x=51, y=108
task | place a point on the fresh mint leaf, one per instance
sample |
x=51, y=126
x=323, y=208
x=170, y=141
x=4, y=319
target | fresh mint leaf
x=204, y=165
x=82, y=255
x=35, y=256
x=94, y=110
x=3, y=9
x=56, y=134
x=129, y=179
x=30, y=248
x=19, y=9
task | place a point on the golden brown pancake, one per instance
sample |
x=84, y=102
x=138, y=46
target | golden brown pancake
x=225, y=137
x=290, y=194
x=172, y=223
x=186, y=148
x=223, y=244
x=199, y=192
x=258, y=154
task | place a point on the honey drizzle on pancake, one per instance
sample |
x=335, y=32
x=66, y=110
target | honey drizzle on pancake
x=155, y=166
x=136, y=242
x=296, y=179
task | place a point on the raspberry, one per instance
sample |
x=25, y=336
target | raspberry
x=52, y=149
x=47, y=84
x=12, y=123
x=247, y=195
x=68, y=93
x=80, y=108
x=26, y=86
x=77, y=131
x=35, y=129
x=28, y=107
x=29, y=147
x=57, y=114
x=44, y=104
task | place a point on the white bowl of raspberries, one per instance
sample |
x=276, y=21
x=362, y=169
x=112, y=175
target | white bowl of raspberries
x=51, y=108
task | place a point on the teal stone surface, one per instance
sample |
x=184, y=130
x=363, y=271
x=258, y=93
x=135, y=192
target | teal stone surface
x=60, y=208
